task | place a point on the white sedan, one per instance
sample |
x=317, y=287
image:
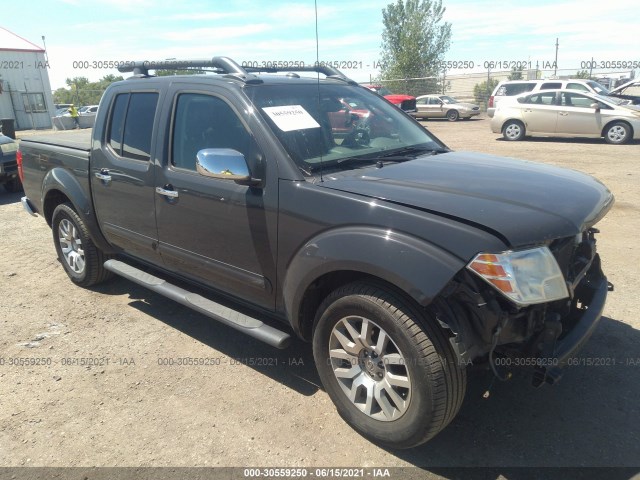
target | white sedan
x=567, y=113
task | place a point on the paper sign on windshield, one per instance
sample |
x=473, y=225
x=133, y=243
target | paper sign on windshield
x=291, y=117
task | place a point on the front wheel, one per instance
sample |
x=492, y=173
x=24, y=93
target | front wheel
x=453, y=115
x=617, y=133
x=81, y=259
x=513, y=130
x=389, y=368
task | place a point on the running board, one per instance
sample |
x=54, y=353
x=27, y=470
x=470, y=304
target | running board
x=241, y=322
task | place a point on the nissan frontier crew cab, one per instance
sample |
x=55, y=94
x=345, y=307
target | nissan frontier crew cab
x=401, y=261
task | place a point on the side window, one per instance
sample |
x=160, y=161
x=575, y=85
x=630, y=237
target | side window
x=116, y=124
x=517, y=88
x=577, y=86
x=422, y=101
x=543, y=99
x=131, y=124
x=576, y=100
x=550, y=85
x=138, y=126
x=204, y=121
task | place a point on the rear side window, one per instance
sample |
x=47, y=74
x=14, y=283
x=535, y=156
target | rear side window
x=131, y=124
x=511, y=89
x=550, y=85
x=542, y=99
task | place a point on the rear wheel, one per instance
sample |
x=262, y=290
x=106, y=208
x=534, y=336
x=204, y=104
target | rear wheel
x=79, y=256
x=389, y=369
x=453, y=115
x=617, y=133
x=513, y=130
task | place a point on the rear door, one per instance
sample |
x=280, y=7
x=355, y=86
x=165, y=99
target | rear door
x=122, y=175
x=212, y=230
x=540, y=113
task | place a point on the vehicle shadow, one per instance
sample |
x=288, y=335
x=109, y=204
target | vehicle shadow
x=563, y=140
x=591, y=418
x=297, y=371
x=6, y=198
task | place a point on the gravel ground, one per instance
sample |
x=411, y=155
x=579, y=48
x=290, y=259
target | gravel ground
x=130, y=409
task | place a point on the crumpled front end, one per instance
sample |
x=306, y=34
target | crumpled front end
x=542, y=338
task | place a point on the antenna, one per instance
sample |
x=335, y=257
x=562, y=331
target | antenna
x=315, y=4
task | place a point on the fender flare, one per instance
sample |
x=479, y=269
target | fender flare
x=417, y=267
x=61, y=180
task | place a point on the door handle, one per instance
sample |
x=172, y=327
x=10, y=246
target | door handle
x=167, y=192
x=103, y=175
x=564, y=114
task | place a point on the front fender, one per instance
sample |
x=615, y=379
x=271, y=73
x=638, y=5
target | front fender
x=417, y=267
x=61, y=180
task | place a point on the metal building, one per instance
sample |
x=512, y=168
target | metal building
x=25, y=91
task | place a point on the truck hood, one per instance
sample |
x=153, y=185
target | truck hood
x=519, y=201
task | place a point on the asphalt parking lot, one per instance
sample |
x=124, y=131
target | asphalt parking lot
x=246, y=404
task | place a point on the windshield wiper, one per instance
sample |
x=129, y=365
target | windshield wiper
x=398, y=155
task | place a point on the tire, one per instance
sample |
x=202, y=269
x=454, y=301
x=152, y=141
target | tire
x=13, y=186
x=77, y=253
x=513, y=130
x=415, y=374
x=453, y=115
x=617, y=133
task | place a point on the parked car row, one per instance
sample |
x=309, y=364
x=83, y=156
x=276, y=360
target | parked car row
x=629, y=92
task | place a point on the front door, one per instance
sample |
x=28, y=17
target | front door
x=576, y=116
x=212, y=230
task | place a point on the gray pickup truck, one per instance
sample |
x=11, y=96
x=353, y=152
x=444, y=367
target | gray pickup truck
x=310, y=205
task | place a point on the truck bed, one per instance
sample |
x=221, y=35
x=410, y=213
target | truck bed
x=78, y=139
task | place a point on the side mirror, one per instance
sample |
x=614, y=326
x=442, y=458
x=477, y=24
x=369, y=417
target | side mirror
x=595, y=106
x=224, y=164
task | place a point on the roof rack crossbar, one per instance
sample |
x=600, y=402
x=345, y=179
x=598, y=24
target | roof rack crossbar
x=223, y=65
x=326, y=70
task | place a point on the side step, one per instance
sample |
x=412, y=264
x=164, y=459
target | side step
x=249, y=325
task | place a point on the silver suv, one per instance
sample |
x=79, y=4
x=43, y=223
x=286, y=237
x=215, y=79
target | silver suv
x=510, y=88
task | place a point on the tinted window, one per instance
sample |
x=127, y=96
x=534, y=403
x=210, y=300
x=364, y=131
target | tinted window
x=116, y=126
x=204, y=121
x=139, y=126
x=550, y=85
x=577, y=86
x=510, y=89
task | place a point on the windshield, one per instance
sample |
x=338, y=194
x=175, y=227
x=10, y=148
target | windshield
x=599, y=89
x=328, y=125
x=614, y=100
x=448, y=99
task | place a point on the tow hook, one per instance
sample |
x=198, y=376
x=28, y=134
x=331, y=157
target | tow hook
x=609, y=287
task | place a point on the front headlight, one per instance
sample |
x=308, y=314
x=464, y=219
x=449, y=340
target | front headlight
x=526, y=277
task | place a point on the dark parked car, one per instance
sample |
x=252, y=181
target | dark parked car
x=401, y=261
x=8, y=164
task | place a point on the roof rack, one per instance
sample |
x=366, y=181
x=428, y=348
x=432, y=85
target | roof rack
x=225, y=66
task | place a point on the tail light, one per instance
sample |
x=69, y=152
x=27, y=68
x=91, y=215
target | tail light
x=491, y=101
x=20, y=170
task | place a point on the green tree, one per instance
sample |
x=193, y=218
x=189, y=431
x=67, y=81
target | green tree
x=81, y=91
x=482, y=90
x=414, y=42
x=515, y=74
x=582, y=74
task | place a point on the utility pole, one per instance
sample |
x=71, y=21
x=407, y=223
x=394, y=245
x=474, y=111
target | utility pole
x=555, y=64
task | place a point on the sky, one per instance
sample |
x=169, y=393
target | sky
x=87, y=33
